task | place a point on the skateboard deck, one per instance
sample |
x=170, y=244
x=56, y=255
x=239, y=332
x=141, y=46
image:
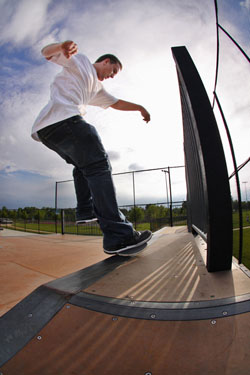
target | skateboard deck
x=132, y=252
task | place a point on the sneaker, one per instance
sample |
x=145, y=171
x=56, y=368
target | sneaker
x=138, y=239
x=86, y=220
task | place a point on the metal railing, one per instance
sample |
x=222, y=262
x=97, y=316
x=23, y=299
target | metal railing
x=216, y=99
x=136, y=199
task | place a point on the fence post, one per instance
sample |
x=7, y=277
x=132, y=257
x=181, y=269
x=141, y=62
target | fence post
x=171, y=203
x=62, y=221
x=38, y=221
x=55, y=222
x=133, y=175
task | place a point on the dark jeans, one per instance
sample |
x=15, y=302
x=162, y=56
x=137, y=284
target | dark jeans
x=78, y=143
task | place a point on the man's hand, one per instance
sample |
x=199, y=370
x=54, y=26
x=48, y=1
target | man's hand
x=69, y=48
x=145, y=115
x=122, y=105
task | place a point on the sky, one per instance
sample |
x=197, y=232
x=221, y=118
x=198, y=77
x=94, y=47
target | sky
x=141, y=33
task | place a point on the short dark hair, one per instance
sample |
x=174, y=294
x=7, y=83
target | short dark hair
x=113, y=59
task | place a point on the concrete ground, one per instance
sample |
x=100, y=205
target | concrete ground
x=28, y=260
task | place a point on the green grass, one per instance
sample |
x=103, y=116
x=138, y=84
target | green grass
x=244, y=219
x=34, y=227
x=245, y=248
x=70, y=227
x=246, y=237
x=47, y=227
x=143, y=226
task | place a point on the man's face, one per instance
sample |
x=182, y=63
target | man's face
x=107, y=70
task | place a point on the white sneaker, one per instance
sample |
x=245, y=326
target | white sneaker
x=84, y=221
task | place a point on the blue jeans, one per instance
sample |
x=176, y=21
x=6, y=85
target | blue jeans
x=78, y=143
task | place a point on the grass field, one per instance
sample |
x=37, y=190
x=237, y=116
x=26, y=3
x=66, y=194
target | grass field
x=245, y=219
x=46, y=227
x=246, y=237
x=72, y=228
x=245, y=247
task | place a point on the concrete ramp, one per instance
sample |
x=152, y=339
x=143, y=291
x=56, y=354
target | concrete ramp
x=158, y=313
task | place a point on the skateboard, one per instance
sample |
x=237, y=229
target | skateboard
x=132, y=252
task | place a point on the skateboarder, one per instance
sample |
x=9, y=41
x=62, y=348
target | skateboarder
x=61, y=127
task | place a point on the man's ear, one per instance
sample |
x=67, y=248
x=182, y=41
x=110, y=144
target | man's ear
x=106, y=61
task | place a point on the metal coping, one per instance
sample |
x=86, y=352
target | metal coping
x=200, y=232
x=164, y=311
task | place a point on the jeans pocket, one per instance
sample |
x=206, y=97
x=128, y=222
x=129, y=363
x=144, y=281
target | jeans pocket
x=49, y=131
x=46, y=133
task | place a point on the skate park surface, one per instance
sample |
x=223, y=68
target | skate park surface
x=68, y=308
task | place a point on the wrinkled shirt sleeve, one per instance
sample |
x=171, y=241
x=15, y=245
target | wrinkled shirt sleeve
x=60, y=59
x=103, y=99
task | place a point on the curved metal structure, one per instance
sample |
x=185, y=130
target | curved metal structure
x=208, y=192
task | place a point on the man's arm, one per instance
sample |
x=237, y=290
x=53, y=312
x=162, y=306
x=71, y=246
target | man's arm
x=68, y=48
x=122, y=105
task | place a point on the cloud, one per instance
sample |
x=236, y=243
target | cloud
x=113, y=155
x=245, y=4
x=25, y=20
x=19, y=189
x=135, y=167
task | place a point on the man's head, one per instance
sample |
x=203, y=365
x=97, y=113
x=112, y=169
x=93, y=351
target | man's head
x=107, y=66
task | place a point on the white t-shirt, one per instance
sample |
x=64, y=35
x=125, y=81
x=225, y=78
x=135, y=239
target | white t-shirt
x=75, y=87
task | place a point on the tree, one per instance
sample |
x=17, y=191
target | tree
x=4, y=212
x=13, y=214
x=136, y=214
x=151, y=212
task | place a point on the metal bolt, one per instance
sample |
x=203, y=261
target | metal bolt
x=114, y=318
x=68, y=307
x=39, y=337
x=29, y=316
x=213, y=322
x=148, y=373
x=153, y=316
x=224, y=313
